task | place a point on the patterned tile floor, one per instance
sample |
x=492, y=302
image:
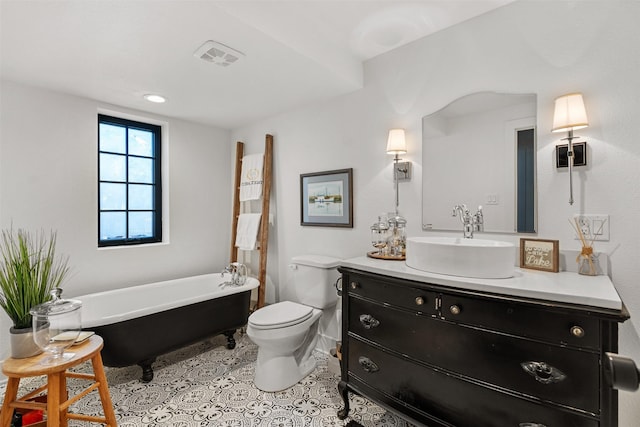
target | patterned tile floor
x=208, y=385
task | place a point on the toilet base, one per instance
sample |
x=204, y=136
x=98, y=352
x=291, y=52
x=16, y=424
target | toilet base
x=276, y=373
x=285, y=355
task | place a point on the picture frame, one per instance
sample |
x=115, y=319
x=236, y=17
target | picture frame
x=326, y=198
x=539, y=254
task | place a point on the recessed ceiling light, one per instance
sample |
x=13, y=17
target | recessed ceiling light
x=155, y=98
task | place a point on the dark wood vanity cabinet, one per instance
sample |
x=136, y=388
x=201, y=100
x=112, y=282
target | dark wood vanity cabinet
x=440, y=356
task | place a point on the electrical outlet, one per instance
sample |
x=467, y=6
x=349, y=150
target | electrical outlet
x=492, y=199
x=584, y=224
x=593, y=227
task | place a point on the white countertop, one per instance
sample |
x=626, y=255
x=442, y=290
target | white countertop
x=566, y=287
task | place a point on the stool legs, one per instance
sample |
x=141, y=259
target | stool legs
x=9, y=396
x=58, y=396
x=53, y=400
x=64, y=396
x=103, y=389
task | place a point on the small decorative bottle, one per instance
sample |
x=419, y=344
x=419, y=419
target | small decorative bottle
x=16, y=421
x=587, y=262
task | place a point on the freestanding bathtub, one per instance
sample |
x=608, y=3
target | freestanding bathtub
x=142, y=322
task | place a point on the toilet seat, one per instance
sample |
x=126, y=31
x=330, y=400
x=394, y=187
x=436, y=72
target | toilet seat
x=280, y=315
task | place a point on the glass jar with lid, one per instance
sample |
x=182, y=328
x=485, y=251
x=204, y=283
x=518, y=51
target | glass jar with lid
x=380, y=236
x=397, y=236
x=56, y=325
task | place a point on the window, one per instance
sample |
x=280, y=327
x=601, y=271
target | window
x=129, y=187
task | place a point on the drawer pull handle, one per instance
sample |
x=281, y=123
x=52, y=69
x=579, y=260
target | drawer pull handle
x=368, y=365
x=577, y=331
x=354, y=285
x=455, y=309
x=531, y=425
x=419, y=300
x=368, y=321
x=543, y=372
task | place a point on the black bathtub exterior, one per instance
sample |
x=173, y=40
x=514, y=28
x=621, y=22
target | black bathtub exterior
x=142, y=339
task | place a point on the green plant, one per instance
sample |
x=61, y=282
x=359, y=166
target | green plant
x=29, y=270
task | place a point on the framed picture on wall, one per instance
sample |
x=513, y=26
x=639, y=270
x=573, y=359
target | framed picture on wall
x=326, y=198
x=539, y=254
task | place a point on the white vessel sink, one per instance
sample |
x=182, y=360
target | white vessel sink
x=486, y=259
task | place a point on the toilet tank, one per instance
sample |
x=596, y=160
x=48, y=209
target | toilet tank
x=312, y=277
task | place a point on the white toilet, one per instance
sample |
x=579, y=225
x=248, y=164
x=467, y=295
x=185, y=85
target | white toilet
x=286, y=332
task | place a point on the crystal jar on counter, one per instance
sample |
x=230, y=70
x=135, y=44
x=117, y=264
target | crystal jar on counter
x=380, y=236
x=397, y=236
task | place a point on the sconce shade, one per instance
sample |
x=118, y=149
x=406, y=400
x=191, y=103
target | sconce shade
x=569, y=113
x=396, y=143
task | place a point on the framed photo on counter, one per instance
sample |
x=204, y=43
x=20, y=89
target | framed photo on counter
x=539, y=254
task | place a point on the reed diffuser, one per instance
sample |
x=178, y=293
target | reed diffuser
x=585, y=259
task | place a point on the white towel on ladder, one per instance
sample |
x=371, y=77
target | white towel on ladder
x=251, y=177
x=247, y=231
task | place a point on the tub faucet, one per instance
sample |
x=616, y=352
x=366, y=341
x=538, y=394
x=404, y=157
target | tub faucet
x=470, y=222
x=238, y=273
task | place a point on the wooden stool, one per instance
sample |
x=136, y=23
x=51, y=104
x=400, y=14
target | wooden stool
x=58, y=400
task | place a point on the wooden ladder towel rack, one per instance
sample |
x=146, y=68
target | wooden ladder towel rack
x=264, y=219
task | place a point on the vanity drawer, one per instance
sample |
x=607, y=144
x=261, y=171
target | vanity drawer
x=566, y=328
x=420, y=390
x=415, y=299
x=563, y=375
x=403, y=331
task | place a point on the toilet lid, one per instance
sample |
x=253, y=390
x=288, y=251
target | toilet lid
x=280, y=315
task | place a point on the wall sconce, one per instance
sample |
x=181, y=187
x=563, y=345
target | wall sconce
x=396, y=144
x=569, y=114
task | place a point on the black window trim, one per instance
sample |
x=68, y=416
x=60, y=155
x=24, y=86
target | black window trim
x=157, y=159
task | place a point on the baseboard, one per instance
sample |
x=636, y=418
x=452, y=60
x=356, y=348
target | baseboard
x=325, y=343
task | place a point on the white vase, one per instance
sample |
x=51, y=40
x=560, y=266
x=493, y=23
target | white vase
x=22, y=343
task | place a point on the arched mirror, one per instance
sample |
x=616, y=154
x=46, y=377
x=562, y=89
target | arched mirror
x=480, y=150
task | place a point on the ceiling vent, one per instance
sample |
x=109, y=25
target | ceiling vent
x=218, y=53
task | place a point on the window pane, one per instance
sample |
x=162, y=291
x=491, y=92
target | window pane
x=140, y=170
x=112, y=167
x=129, y=196
x=140, y=142
x=113, y=225
x=140, y=225
x=113, y=196
x=140, y=197
x=112, y=138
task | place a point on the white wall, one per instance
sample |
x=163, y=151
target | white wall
x=548, y=48
x=48, y=180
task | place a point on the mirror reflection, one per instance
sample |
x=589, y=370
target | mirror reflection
x=480, y=151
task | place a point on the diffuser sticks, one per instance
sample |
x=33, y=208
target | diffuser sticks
x=585, y=262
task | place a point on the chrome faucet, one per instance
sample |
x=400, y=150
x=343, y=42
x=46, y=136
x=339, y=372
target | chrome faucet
x=470, y=222
x=238, y=273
